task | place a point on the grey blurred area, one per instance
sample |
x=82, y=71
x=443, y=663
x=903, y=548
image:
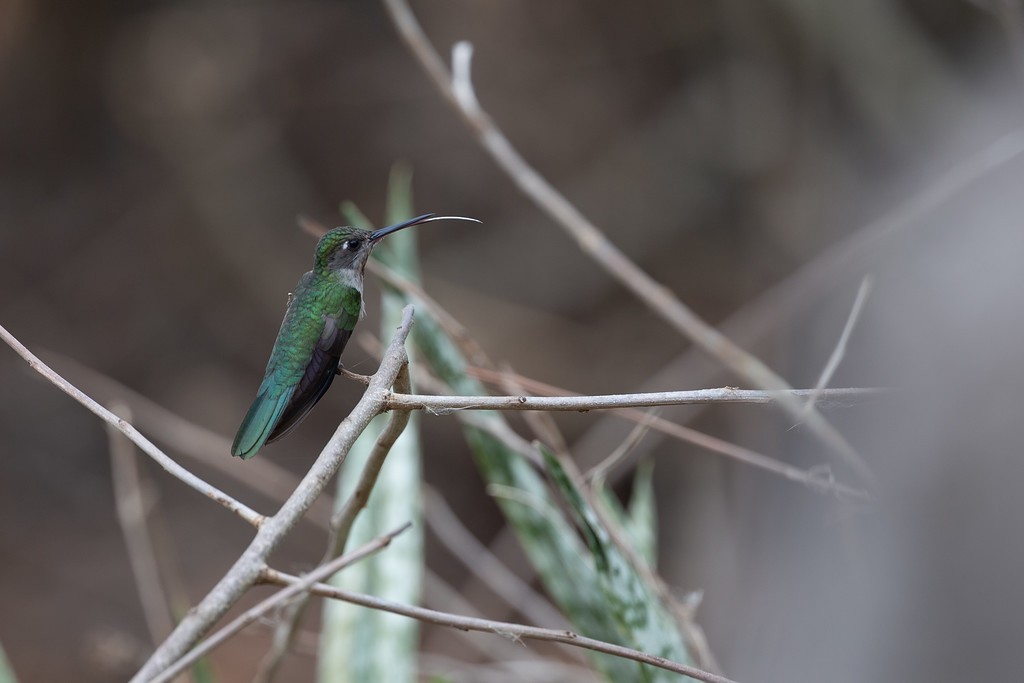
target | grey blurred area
x=154, y=157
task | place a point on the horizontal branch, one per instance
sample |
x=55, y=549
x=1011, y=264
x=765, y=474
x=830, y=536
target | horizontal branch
x=502, y=628
x=444, y=404
x=147, y=446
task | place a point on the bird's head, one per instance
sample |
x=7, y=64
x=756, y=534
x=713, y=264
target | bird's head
x=348, y=248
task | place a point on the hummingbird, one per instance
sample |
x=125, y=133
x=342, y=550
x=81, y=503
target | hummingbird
x=322, y=312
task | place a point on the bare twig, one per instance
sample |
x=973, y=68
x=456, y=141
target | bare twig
x=131, y=514
x=457, y=88
x=840, y=350
x=341, y=526
x=437, y=405
x=162, y=459
x=599, y=472
x=542, y=424
x=203, y=446
x=246, y=569
x=502, y=628
x=300, y=585
x=343, y=519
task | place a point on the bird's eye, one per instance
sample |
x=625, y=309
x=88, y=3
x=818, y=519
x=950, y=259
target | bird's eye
x=351, y=245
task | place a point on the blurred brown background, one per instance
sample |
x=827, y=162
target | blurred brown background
x=154, y=156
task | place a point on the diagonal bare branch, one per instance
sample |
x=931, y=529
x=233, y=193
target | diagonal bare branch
x=131, y=514
x=123, y=426
x=457, y=88
x=840, y=349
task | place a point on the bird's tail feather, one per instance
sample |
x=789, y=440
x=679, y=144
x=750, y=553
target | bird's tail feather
x=259, y=422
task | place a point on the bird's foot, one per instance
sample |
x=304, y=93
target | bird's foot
x=362, y=379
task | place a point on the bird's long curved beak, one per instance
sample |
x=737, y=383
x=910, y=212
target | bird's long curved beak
x=425, y=218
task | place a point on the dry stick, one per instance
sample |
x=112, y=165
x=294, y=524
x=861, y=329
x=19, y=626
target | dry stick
x=246, y=569
x=542, y=423
x=840, y=350
x=502, y=628
x=300, y=585
x=165, y=461
x=341, y=526
x=440, y=404
x=131, y=514
x=815, y=478
x=458, y=90
x=204, y=446
x=343, y=520
x=599, y=472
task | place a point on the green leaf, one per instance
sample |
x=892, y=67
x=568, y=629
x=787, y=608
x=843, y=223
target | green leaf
x=583, y=580
x=640, y=620
x=6, y=672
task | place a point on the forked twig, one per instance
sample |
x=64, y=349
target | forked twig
x=300, y=585
x=840, y=349
x=340, y=528
x=246, y=569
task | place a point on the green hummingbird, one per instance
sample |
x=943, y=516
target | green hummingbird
x=322, y=312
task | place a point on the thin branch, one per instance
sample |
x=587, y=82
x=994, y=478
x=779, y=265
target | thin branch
x=246, y=569
x=438, y=405
x=542, y=424
x=300, y=585
x=840, y=350
x=341, y=526
x=131, y=514
x=162, y=459
x=818, y=479
x=203, y=446
x=502, y=628
x=343, y=519
x=599, y=472
x=457, y=88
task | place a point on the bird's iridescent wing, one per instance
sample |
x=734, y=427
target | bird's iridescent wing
x=303, y=363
